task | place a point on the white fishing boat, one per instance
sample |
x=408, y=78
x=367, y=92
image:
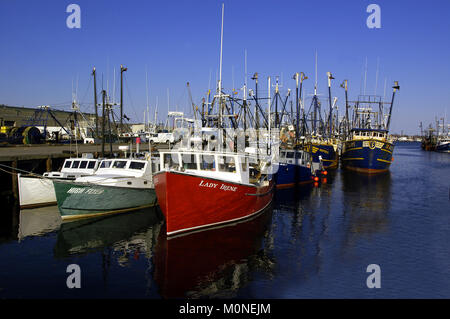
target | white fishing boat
x=443, y=144
x=37, y=190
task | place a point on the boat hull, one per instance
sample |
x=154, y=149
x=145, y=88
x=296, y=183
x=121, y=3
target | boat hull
x=367, y=156
x=35, y=192
x=190, y=202
x=443, y=147
x=330, y=158
x=76, y=200
x=290, y=175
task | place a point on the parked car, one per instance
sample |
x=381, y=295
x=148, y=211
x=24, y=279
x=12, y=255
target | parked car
x=161, y=137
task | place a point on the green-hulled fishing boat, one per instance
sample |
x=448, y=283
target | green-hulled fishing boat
x=119, y=185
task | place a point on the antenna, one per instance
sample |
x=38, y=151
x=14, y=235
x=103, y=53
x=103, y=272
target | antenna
x=114, y=85
x=376, y=76
x=221, y=48
x=146, y=91
x=146, y=84
x=107, y=74
x=232, y=77
x=156, y=111
x=315, y=82
x=76, y=90
x=209, y=82
x=168, y=104
x=245, y=74
x=365, y=77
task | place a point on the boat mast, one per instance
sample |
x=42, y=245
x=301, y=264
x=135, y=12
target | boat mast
x=268, y=111
x=330, y=77
x=122, y=69
x=103, y=122
x=297, y=108
x=146, y=93
x=219, y=87
x=345, y=86
x=95, y=103
x=302, y=77
x=395, y=87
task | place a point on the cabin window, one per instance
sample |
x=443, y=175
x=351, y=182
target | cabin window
x=105, y=164
x=83, y=164
x=67, y=164
x=75, y=164
x=207, y=162
x=289, y=154
x=227, y=164
x=119, y=164
x=189, y=161
x=171, y=160
x=91, y=164
x=137, y=165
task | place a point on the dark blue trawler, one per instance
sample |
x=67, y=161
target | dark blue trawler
x=368, y=151
x=294, y=168
x=324, y=151
x=368, y=147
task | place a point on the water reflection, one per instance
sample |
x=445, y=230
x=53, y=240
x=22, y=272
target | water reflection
x=213, y=263
x=367, y=200
x=38, y=221
x=134, y=231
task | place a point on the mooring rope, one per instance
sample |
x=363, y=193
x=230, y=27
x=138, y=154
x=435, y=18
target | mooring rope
x=20, y=170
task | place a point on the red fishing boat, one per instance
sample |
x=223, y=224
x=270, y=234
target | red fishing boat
x=201, y=189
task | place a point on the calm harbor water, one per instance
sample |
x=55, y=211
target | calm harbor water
x=312, y=243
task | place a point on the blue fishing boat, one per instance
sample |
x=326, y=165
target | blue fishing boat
x=368, y=150
x=368, y=147
x=324, y=152
x=295, y=165
x=294, y=168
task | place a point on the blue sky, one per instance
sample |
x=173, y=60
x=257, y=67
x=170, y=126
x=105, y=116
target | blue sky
x=178, y=42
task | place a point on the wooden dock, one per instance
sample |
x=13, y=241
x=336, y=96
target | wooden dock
x=45, y=151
